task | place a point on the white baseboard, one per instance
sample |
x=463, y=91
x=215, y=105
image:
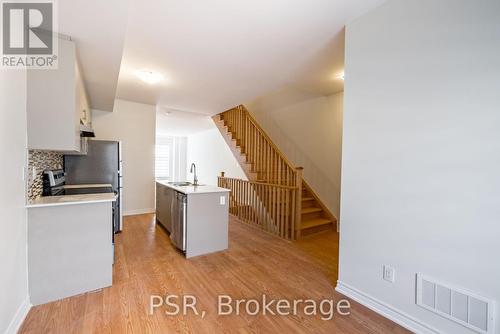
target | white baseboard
x=138, y=212
x=19, y=317
x=385, y=310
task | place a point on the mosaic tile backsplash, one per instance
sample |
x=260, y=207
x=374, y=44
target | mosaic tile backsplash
x=41, y=160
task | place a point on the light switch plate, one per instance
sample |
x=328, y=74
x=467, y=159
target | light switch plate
x=389, y=274
x=223, y=200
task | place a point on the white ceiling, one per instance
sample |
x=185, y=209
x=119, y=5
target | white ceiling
x=217, y=54
x=181, y=123
x=214, y=54
x=98, y=28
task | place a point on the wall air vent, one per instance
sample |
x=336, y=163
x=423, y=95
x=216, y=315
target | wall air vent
x=461, y=306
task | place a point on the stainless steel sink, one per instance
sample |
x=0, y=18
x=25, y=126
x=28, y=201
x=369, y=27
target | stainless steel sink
x=181, y=184
x=185, y=184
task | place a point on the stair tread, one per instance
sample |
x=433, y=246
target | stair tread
x=311, y=210
x=305, y=199
x=314, y=222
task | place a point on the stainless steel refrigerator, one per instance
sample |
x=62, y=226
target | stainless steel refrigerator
x=101, y=165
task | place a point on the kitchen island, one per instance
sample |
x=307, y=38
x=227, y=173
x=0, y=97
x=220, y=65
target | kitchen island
x=195, y=216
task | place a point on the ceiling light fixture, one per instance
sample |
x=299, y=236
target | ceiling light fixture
x=149, y=76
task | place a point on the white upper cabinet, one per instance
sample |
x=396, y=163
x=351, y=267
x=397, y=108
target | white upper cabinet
x=57, y=101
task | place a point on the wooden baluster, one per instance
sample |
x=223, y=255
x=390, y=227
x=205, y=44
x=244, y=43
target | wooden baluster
x=298, y=199
x=270, y=206
x=238, y=182
x=260, y=157
x=248, y=200
x=227, y=183
x=276, y=223
x=245, y=141
x=233, y=187
x=254, y=204
x=269, y=162
x=237, y=197
x=272, y=203
x=253, y=149
x=288, y=216
x=257, y=166
x=288, y=176
x=242, y=193
x=251, y=203
x=291, y=206
x=275, y=166
x=276, y=161
x=280, y=171
x=282, y=209
x=244, y=196
x=258, y=152
x=278, y=212
x=233, y=197
x=259, y=207
x=245, y=126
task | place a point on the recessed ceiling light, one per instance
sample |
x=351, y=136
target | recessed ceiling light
x=149, y=76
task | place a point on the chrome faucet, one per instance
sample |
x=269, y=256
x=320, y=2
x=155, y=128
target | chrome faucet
x=193, y=167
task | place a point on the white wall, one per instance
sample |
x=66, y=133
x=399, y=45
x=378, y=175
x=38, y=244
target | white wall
x=133, y=124
x=14, y=300
x=421, y=152
x=308, y=130
x=211, y=154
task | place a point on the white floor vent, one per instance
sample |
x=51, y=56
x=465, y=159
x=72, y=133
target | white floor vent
x=463, y=307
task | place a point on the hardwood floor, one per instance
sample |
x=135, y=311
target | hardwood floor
x=323, y=249
x=255, y=264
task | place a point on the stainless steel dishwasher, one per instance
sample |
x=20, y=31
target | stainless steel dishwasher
x=179, y=211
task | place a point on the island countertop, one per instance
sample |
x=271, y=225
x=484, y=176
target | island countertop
x=71, y=200
x=192, y=190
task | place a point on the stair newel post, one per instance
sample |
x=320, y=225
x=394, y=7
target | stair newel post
x=221, y=181
x=298, y=201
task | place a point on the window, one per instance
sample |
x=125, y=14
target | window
x=163, y=157
x=170, y=158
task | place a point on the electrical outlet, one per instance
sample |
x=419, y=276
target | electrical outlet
x=223, y=200
x=389, y=274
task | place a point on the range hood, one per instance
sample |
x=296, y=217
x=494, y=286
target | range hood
x=86, y=131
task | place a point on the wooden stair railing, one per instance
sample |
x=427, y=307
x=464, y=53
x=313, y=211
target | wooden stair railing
x=270, y=207
x=266, y=160
x=265, y=165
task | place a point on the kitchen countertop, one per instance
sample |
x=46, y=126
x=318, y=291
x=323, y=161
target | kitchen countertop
x=71, y=200
x=191, y=190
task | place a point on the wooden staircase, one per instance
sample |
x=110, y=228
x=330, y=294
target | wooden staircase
x=275, y=197
x=315, y=217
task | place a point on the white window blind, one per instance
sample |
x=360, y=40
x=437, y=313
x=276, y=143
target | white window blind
x=163, y=157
